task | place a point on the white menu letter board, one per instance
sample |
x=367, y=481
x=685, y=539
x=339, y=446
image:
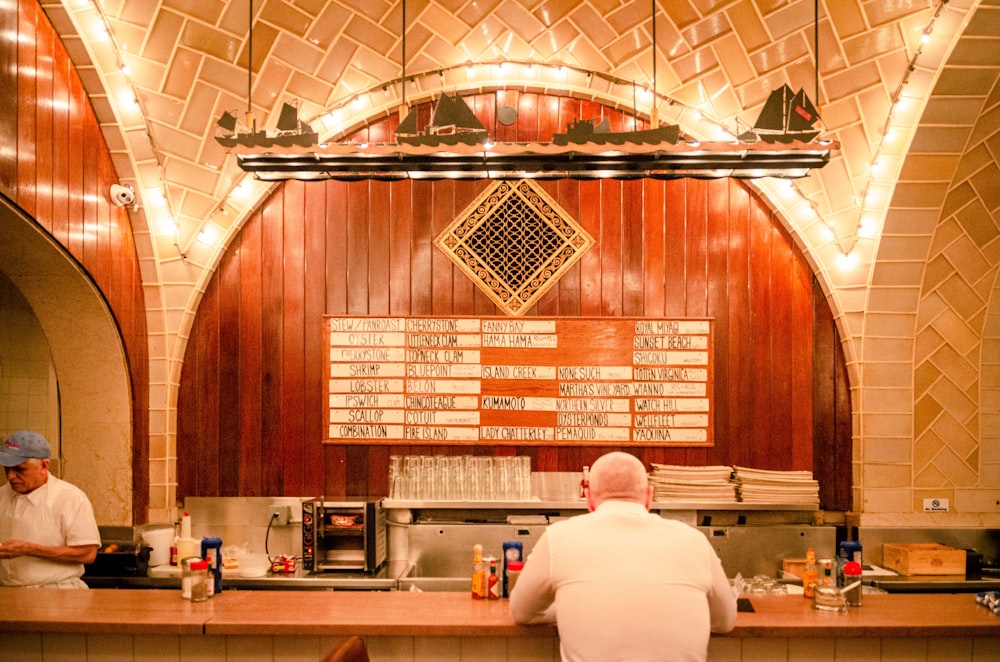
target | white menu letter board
x=531, y=381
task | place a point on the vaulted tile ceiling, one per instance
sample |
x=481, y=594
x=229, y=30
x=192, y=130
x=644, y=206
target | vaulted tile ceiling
x=161, y=71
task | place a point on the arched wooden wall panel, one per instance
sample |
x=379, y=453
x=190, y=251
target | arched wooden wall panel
x=250, y=410
x=55, y=165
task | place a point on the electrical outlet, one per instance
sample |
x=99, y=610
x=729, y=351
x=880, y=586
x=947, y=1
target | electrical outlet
x=279, y=514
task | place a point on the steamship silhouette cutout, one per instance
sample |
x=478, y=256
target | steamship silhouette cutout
x=579, y=132
x=786, y=117
x=291, y=131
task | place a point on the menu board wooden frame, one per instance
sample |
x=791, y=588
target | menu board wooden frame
x=500, y=381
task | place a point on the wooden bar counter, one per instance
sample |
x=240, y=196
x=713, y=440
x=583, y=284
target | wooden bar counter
x=271, y=625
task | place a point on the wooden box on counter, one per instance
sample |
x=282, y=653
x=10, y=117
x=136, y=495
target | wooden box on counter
x=923, y=559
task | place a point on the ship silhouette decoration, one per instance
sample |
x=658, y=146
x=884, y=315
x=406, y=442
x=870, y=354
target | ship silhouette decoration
x=579, y=132
x=453, y=123
x=455, y=144
x=787, y=116
x=291, y=131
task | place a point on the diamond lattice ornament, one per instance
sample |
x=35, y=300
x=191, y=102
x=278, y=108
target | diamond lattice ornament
x=514, y=242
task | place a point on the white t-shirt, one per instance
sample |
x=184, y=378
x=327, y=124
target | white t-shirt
x=57, y=513
x=624, y=584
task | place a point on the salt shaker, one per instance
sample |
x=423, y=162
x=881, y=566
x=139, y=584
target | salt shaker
x=852, y=583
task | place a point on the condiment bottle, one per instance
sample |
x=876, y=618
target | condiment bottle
x=809, y=574
x=478, y=573
x=199, y=580
x=827, y=578
x=513, y=572
x=852, y=576
x=493, y=583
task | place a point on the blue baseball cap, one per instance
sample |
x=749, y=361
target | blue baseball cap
x=24, y=445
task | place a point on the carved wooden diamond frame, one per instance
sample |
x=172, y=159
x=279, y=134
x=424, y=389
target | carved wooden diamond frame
x=514, y=242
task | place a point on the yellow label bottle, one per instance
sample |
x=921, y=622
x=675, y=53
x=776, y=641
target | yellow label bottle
x=478, y=574
x=809, y=575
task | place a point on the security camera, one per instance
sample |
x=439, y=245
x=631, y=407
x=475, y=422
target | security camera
x=122, y=195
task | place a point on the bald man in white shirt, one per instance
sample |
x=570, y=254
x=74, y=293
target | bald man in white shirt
x=622, y=583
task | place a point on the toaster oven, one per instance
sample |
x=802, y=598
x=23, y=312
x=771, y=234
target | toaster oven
x=343, y=534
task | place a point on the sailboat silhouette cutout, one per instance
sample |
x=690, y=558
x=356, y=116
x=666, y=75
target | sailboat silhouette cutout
x=452, y=123
x=787, y=116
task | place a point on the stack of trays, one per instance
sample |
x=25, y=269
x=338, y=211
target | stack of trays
x=785, y=487
x=710, y=484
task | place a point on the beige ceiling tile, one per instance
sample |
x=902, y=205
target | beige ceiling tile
x=940, y=139
x=872, y=44
x=793, y=17
x=975, y=53
x=977, y=222
x=268, y=84
x=954, y=467
x=707, y=6
x=930, y=167
x=550, y=12
x=928, y=478
x=857, y=149
x=520, y=20
x=472, y=13
x=969, y=263
x=308, y=88
x=338, y=59
x=226, y=77
x=285, y=18
x=631, y=16
x=920, y=194
x=851, y=81
x=696, y=64
x=78, y=52
x=723, y=98
x=951, y=110
x=584, y=54
x=958, y=197
x=987, y=126
x=297, y=53
x=879, y=12
x=203, y=10
x=373, y=9
x=730, y=54
x=707, y=30
x=746, y=22
x=371, y=35
x=200, y=110
x=838, y=114
x=148, y=72
x=179, y=80
x=847, y=17
x=555, y=39
x=590, y=23
x=629, y=47
x=831, y=53
x=986, y=183
x=960, y=81
x=329, y=26
x=163, y=36
x=315, y=7
x=212, y=41
x=129, y=37
x=681, y=13
x=779, y=54
x=377, y=67
x=175, y=143
x=193, y=177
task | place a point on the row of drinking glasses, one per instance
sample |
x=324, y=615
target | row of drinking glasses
x=459, y=478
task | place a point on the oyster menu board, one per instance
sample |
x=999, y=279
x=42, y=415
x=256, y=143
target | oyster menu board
x=535, y=381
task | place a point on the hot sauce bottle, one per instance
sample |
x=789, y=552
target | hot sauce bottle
x=493, y=583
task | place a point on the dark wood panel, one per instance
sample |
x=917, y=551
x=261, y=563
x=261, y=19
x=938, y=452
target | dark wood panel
x=59, y=173
x=249, y=357
x=674, y=248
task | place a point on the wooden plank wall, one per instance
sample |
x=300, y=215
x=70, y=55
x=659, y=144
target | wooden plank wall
x=250, y=410
x=55, y=165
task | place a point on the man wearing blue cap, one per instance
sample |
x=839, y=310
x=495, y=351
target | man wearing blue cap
x=47, y=526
